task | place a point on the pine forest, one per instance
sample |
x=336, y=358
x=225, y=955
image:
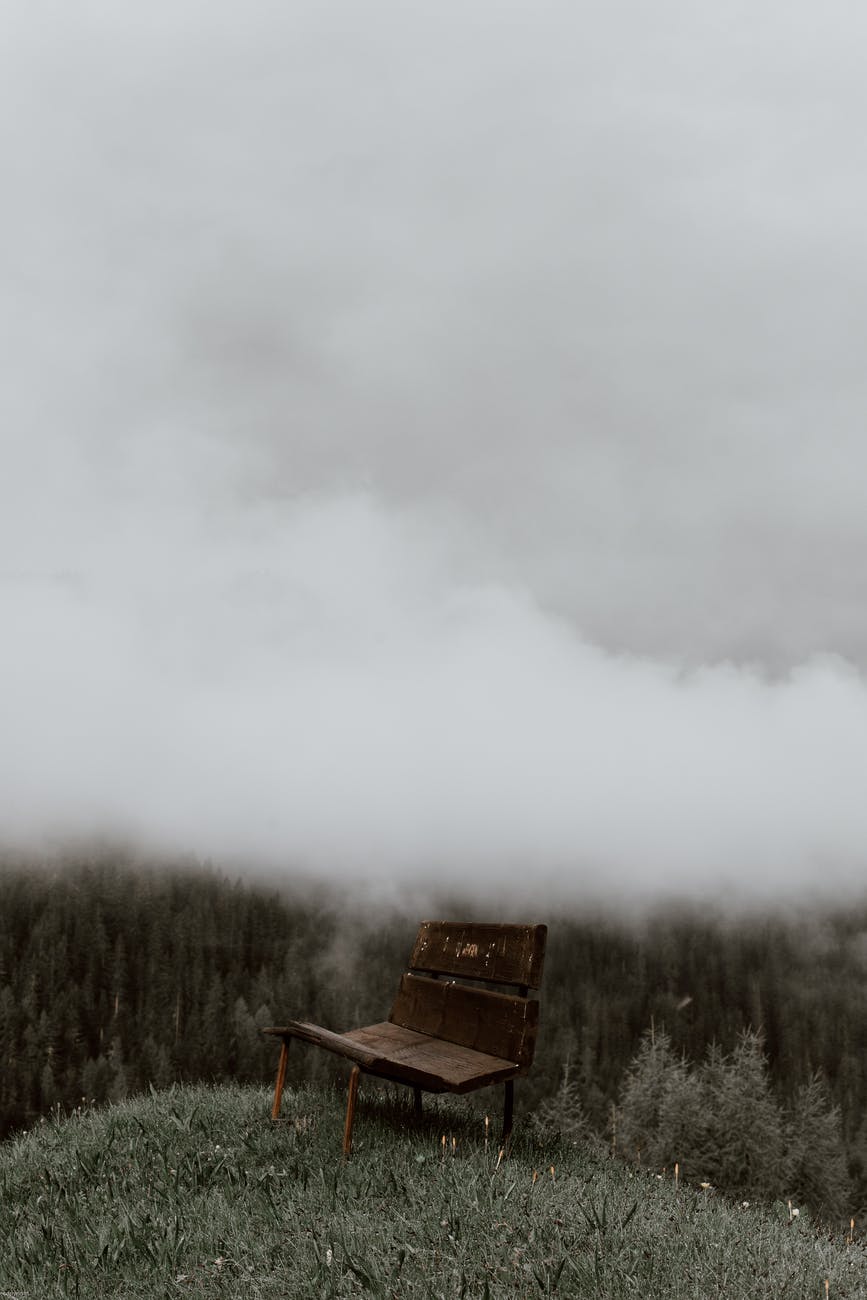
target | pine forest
x=734, y=1047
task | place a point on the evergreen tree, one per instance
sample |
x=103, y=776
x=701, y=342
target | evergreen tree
x=682, y=1129
x=746, y=1133
x=642, y=1098
x=818, y=1176
x=563, y=1112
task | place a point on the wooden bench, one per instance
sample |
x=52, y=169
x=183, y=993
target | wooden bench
x=444, y=1034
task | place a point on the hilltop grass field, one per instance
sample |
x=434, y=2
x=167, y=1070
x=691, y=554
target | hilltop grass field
x=195, y=1192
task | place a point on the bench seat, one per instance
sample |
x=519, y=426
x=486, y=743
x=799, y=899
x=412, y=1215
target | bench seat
x=406, y=1056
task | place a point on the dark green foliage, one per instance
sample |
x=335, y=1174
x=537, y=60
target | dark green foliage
x=818, y=1173
x=638, y=1130
x=662, y=1111
x=113, y=976
x=723, y=1125
x=746, y=1147
x=563, y=1112
x=683, y=1124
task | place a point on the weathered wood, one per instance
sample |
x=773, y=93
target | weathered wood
x=281, y=1079
x=338, y=1043
x=444, y=1036
x=350, y=1111
x=501, y=954
x=490, y=1022
x=407, y=1056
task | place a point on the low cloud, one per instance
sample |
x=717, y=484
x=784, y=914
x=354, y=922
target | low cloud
x=435, y=440
x=312, y=685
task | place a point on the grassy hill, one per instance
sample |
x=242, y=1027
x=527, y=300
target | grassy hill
x=194, y=1192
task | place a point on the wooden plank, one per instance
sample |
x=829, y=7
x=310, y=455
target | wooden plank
x=502, y=954
x=340, y=1044
x=407, y=1056
x=494, y=1023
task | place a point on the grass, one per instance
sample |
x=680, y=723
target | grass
x=194, y=1192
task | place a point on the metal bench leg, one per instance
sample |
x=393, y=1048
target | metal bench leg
x=416, y=1098
x=281, y=1079
x=350, y=1111
x=508, y=1102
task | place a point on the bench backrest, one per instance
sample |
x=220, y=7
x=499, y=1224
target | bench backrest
x=501, y=1024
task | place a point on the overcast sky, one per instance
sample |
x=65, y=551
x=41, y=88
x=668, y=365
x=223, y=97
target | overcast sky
x=433, y=437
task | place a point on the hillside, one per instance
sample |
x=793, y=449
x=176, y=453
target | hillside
x=194, y=1192
x=115, y=975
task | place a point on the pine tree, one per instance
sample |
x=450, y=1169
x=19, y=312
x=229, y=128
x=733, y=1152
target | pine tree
x=681, y=1136
x=819, y=1177
x=563, y=1112
x=746, y=1135
x=642, y=1098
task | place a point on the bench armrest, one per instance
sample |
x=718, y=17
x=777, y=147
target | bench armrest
x=337, y=1043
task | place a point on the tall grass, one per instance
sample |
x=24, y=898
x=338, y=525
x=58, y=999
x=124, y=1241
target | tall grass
x=195, y=1192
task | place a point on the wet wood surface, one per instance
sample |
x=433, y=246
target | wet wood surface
x=490, y=1022
x=407, y=1056
x=501, y=954
x=341, y=1044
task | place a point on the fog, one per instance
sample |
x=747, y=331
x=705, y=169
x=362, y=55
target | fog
x=432, y=441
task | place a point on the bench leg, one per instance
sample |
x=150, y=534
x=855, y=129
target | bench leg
x=281, y=1079
x=416, y=1098
x=350, y=1111
x=508, y=1102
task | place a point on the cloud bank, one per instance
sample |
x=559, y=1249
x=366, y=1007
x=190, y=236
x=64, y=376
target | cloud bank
x=434, y=439
x=315, y=686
